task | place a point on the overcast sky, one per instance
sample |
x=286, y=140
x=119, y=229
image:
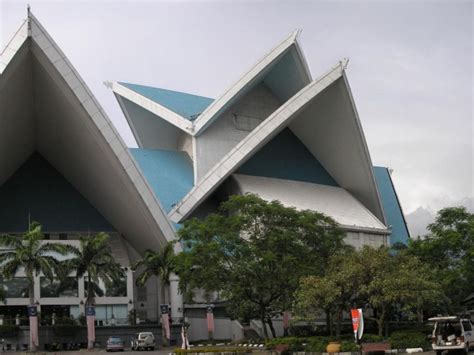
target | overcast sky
x=410, y=69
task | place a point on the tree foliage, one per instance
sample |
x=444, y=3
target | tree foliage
x=94, y=261
x=254, y=253
x=29, y=253
x=449, y=250
x=374, y=277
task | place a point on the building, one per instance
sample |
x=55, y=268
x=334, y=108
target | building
x=277, y=132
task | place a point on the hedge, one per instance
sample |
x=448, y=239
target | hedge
x=409, y=339
x=211, y=350
x=8, y=331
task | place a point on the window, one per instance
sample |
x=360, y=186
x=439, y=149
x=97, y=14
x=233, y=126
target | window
x=62, y=236
x=66, y=288
x=16, y=287
x=46, y=236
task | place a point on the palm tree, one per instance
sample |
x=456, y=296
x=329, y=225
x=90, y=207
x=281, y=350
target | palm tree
x=160, y=264
x=29, y=253
x=94, y=261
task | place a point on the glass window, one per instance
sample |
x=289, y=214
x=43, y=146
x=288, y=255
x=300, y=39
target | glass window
x=66, y=288
x=117, y=289
x=16, y=287
x=62, y=236
x=467, y=326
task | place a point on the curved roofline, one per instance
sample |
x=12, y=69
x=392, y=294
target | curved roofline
x=211, y=112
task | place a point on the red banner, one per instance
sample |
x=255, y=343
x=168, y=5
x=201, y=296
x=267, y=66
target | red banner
x=357, y=323
x=91, y=330
x=165, y=319
x=210, y=322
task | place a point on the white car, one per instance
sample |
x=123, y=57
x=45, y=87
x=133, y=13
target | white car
x=452, y=333
x=143, y=341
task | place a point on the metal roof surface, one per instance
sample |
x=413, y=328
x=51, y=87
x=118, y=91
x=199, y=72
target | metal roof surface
x=186, y=105
x=333, y=201
x=391, y=205
x=169, y=173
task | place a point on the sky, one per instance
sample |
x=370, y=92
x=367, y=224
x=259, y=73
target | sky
x=410, y=69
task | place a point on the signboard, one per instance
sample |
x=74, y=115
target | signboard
x=357, y=323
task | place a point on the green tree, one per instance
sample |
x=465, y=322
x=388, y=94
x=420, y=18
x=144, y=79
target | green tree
x=375, y=276
x=29, y=253
x=254, y=253
x=156, y=263
x=94, y=261
x=334, y=292
x=449, y=250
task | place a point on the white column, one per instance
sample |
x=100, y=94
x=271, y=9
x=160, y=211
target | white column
x=176, y=299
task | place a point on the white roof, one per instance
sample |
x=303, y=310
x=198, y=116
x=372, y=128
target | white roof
x=330, y=200
x=66, y=124
x=219, y=105
x=168, y=115
x=269, y=128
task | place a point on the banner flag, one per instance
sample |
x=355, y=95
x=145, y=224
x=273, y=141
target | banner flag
x=165, y=320
x=357, y=323
x=210, y=319
x=90, y=320
x=33, y=315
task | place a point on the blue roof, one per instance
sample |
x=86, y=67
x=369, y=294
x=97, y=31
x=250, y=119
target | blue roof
x=286, y=157
x=37, y=191
x=169, y=173
x=187, y=105
x=391, y=206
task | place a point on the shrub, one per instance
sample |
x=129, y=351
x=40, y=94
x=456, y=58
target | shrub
x=301, y=330
x=8, y=331
x=349, y=346
x=316, y=344
x=211, y=350
x=372, y=338
x=409, y=339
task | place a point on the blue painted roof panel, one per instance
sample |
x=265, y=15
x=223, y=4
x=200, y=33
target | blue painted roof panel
x=391, y=206
x=37, y=191
x=187, y=105
x=286, y=157
x=169, y=173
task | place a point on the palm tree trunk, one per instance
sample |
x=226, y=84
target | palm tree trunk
x=89, y=301
x=163, y=301
x=31, y=294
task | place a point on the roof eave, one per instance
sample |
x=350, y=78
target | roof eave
x=151, y=106
x=211, y=112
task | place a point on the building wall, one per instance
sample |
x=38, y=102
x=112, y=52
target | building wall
x=232, y=126
x=359, y=239
x=38, y=192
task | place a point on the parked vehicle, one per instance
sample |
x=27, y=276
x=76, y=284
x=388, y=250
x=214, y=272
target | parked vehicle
x=452, y=333
x=143, y=341
x=114, y=344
